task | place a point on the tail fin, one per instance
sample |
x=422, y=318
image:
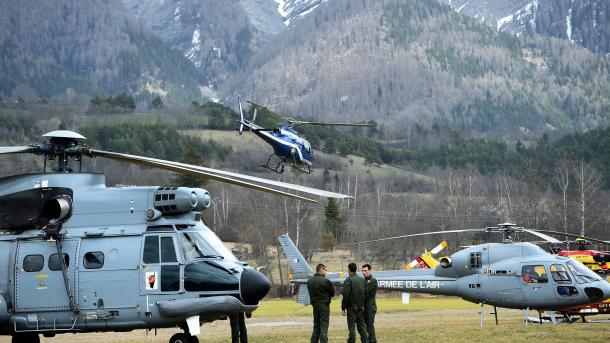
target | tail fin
x=241, y=118
x=299, y=267
x=296, y=261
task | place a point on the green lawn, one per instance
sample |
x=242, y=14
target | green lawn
x=424, y=319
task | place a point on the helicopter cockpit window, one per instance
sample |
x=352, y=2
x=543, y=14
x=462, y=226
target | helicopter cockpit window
x=168, y=252
x=306, y=145
x=55, y=262
x=475, y=260
x=534, y=274
x=582, y=274
x=151, y=249
x=559, y=273
x=93, y=260
x=33, y=263
x=203, y=243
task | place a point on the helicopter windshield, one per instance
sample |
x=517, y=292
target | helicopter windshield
x=304, y=143
x=582, y=274
x=203, y=243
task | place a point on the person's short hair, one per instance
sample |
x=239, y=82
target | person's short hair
x=319, y=267
x=367, y=266
x=352, y=267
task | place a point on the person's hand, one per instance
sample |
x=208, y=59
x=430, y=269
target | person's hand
x=344, y=313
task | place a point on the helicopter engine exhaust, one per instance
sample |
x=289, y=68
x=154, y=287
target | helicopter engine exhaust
x=445, y=262
x=175, y=200
x=58, y=208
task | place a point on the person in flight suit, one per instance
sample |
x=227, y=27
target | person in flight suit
x=321, y=290
x=370, y=305
x=353, y=305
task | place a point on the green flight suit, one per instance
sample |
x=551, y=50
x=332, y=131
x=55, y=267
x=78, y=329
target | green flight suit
x=321, y=290
x=353, y=301
x=370, y=307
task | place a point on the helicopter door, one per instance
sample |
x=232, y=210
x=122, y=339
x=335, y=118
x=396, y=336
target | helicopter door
x=160, y=267
x=39, y=280
x=536, y=285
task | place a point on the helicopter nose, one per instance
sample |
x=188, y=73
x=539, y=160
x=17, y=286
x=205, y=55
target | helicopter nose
x=605, y=286
x=254, y=286
x=599, y=293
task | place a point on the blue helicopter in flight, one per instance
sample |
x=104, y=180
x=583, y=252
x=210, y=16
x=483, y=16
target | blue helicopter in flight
x=288, y=147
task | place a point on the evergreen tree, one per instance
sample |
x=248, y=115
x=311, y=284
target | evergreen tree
x=332, y=221
x=156, y=103
x=191, y=156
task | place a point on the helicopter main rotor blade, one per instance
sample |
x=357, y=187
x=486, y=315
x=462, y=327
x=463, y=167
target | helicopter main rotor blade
x=298, y=188
x=541, y=235
x=297, y=122
x=574, y=236
x=418, y=234
x=16, y=149
x=186, y=169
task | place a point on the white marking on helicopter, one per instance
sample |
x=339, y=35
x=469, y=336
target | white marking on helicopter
x=408, y=284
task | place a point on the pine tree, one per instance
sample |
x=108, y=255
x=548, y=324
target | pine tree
x=333, y=223
x=191, y=156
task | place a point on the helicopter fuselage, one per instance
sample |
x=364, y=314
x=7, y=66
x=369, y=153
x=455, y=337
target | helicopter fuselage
x=133, y=257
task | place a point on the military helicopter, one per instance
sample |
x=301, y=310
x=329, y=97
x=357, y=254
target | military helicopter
x=77, y=256
x=517, y=275
x=289, y=148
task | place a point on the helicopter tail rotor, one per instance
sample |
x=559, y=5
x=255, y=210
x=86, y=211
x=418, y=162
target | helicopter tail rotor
x=241, y=118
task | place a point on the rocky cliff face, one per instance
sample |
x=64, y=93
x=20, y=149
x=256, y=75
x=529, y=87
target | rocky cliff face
x=585, y=22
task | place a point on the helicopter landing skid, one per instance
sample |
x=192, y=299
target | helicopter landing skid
x=279, y=166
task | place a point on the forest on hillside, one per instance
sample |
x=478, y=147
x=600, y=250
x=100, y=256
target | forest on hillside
x=449, y=181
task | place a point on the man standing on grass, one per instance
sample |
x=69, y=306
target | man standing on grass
x=353, y=305
x=321, y=290
x=370, y=305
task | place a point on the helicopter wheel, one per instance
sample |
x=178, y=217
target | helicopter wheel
x=183, y=338
x=26, y=338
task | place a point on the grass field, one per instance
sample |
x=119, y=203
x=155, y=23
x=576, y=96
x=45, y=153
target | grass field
x=425, y=319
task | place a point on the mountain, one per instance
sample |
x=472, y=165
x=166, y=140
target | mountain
x=418, y=62
x=218, y=47
x=216, y=36
x=585, y=22
x=54, y=48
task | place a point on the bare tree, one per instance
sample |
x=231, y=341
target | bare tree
x=562, y=178
x=588, y=182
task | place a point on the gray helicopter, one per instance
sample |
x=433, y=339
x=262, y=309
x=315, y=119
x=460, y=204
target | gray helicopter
x=517, y=275
x=77, y=256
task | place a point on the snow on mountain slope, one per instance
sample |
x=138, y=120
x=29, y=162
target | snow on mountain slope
x=294, y=10
x=584, y=22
